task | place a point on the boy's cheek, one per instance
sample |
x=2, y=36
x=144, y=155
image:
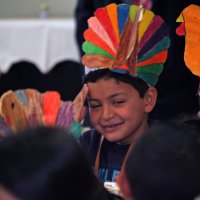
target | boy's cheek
x=94, y=118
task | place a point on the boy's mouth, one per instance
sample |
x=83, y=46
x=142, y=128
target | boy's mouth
x=112, y=127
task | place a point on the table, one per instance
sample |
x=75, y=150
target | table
x=43, y=42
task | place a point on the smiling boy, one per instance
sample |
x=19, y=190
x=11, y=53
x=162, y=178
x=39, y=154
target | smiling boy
x=117, y=109
x=120, y=90
x=119, y=113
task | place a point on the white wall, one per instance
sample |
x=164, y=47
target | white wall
x=30, y=8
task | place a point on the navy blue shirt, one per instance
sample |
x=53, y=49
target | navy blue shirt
x=112, y=154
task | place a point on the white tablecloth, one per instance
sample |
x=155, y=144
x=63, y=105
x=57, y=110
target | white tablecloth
x=42, y=42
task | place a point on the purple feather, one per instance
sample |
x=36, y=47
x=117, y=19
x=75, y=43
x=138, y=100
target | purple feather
x=65, y=115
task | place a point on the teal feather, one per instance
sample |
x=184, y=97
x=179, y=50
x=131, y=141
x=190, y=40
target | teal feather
x=161, y=46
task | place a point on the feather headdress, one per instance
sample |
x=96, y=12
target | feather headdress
x=29, y=108
x=127, y=37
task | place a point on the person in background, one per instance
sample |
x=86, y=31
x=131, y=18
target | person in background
x=46, y=163
x=164, y=163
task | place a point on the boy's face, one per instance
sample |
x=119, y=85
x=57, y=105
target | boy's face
x=117, y=111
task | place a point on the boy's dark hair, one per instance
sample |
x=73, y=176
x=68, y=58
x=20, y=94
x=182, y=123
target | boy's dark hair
x=165, y=163
x=140, y=85
x=47, y=164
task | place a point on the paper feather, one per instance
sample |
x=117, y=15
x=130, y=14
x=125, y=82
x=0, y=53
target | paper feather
x=65, y=115
x=51, y=104
x=5, y=130
x=33, y=109
x=12, y=110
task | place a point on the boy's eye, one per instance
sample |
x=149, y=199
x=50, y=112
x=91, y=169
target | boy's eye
x=118, y=102
x=93, y=106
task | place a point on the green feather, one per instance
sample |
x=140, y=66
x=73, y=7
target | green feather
x=149, y=78
x=150, y=73
x=133, y=11
x=154, y=69
x=90, y=48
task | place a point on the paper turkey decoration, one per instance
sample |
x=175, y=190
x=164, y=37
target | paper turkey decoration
x=127, y=37
x=190, y=28
x=29, y=108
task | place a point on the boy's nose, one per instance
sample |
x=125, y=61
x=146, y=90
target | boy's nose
x=107, y=113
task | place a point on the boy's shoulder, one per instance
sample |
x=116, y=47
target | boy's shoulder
x=89, y=142
x=89, y=137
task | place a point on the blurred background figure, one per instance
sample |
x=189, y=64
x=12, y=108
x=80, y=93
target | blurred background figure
x=46, y=164
x=165, y=163
x=65, y=78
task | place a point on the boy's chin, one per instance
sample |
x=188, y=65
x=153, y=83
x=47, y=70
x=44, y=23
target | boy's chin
x=115, y=139
x=111, y=137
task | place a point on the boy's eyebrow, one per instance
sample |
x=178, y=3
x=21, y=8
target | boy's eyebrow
x=91, y=99
x=116, y=94
x=110, y=97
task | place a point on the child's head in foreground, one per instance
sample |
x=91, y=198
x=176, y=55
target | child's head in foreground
x=45, y=164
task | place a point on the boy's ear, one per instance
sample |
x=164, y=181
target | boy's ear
x=123, y=184
x=150, y=99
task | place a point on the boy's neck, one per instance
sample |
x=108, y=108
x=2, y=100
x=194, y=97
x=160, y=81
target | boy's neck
x=136, y=135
